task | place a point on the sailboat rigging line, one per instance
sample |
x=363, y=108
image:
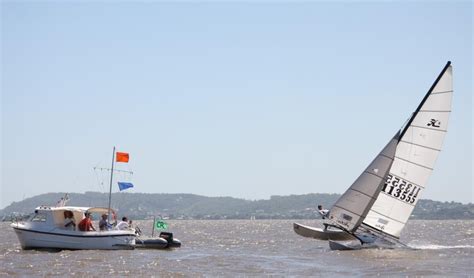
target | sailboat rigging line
x=387, y=237
x=115, y=170
x=374, y=230
x=97, y=179
x=426, y=167
x=326, y=225
x=426, y=147
x=361, y=241
x=425, y=98
x=384, y=236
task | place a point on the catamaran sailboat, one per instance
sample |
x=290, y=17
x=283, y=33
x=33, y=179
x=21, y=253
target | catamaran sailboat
x=376, y=207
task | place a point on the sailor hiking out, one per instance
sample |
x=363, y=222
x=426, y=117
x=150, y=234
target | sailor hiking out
x=323, y=212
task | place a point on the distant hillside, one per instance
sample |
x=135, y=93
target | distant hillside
x=190, y=206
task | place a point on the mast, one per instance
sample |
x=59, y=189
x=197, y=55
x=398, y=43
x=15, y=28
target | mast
x=424, y=100
x=111, y=178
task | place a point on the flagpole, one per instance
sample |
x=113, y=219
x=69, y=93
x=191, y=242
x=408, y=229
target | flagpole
x=153, y=227
x=111, y=177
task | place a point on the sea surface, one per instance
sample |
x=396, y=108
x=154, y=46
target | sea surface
x=242, y=248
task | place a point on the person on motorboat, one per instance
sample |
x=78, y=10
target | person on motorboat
x=123, y=225
x=323, y=212
x=69, y=222
x=103, y=224
x=86, y=224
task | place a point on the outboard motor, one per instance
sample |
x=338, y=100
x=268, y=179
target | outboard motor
x=169, y=238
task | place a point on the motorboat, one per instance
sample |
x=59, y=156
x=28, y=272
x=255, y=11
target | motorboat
x=45, y=229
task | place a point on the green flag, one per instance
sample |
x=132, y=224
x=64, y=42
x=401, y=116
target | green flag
x=161, y=225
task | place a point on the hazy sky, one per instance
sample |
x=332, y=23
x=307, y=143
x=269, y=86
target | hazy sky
x=225, y=99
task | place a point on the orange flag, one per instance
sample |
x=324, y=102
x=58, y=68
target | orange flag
x=122, y=157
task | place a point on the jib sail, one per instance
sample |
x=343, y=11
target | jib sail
x=351, y=208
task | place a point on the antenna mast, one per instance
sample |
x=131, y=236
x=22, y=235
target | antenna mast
x=111, y=178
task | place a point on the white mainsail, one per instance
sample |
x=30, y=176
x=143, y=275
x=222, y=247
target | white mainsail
x=419, y=145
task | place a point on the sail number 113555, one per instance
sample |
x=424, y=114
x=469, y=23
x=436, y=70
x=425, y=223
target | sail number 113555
x=401, y=189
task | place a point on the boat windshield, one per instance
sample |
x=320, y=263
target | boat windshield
x=38, y=217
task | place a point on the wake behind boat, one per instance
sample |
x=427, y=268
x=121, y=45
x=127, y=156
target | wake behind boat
x=375, y=209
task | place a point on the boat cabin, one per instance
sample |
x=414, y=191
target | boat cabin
x=55, y=216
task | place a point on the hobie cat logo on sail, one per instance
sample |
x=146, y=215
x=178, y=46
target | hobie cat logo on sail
x=434, y=123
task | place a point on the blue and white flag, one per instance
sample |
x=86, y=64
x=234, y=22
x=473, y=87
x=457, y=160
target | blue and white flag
x=124, y=185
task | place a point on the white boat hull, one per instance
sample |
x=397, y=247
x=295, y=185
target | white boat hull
x=345, y=245
x=341, y=240
x=321, y=234
x=363, y=240
x=74, y=240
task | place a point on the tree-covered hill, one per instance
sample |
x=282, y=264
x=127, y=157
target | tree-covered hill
x=190, y=206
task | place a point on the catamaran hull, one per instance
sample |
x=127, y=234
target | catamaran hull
x=341, y=240
x=33, y=239
x=317, y=233
x=357, y=245
x=345, y=245
x=363, y=240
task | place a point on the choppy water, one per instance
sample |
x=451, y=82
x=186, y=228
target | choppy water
x=255, y=248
